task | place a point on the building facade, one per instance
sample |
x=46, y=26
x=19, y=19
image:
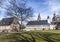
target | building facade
x=9, y=25
x=42, y=24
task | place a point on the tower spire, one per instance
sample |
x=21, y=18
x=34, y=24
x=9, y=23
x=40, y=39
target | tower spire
x=39, y=17
x=54, y=19
x=48, y=19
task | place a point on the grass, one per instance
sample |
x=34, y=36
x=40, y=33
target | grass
x=32, y=36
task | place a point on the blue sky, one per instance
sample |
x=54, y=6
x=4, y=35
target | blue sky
x=44, y=7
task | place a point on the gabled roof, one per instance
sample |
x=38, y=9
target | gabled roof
x=6, y=21
x=41, y=22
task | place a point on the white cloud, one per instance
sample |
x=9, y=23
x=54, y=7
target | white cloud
x=54, y=5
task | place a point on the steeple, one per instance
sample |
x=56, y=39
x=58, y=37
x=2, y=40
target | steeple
x=39, y=17
x=54, y=19
x=48, y=19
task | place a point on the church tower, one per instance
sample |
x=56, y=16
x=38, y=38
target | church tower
x=39, y=17
x=48, y=19
x=54, y=19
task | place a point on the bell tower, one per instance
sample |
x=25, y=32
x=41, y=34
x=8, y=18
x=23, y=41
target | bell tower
x=39, y=17
x=54, y=19
x=48, y=19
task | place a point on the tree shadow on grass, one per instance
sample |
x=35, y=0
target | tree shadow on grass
x=32, y=36
x=20, y=38
x=45, y=36
x=17, y=37
x=33, y=39
x=41, y=35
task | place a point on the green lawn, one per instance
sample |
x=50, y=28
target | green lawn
x=32, y=36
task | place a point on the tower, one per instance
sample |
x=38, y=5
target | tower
x=48, y=19
x=54, y=19
x=39, y=17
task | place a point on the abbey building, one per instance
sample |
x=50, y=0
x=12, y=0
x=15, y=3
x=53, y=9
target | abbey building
x=40, y=24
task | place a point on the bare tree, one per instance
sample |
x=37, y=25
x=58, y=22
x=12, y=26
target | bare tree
x=18, y=9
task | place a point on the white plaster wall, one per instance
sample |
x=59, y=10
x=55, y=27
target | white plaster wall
x=52, y=27
x=5, y=28
x=36, y=27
